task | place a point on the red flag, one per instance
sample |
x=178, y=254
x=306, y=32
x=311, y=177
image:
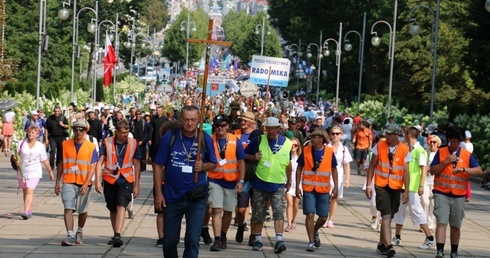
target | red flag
x=110, y=60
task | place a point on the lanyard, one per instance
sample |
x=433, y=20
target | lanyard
x=222, y=151
x=188, y=154
x=391, y=156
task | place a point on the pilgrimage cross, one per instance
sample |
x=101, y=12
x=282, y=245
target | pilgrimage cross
x=208, y=42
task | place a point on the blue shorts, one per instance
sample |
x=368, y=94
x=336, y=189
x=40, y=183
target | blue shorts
x=318, y=203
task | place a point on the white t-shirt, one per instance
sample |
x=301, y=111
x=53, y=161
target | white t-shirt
x=343, y=157
x=8, y=117
x=31, y=159
x=430, y=178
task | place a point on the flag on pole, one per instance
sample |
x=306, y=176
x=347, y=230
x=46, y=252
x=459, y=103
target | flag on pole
x=110, y=60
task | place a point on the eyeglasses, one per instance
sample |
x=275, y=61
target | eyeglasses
x=335, y=133
x=221, y=125
x=432, y=142
x=79, y=129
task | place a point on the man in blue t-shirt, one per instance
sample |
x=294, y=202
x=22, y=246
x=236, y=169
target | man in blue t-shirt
x=273, y=156
x=180, y=195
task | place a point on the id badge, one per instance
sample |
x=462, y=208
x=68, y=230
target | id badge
x=186, y=169
x=74, y=168
x=267, y=164
x=222, y=162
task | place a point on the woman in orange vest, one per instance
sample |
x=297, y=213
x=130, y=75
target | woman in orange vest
x=452, y=168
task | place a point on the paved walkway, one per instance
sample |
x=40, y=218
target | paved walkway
x=41, y=235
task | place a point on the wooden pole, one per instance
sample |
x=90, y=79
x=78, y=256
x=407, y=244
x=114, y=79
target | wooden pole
x=208, y=44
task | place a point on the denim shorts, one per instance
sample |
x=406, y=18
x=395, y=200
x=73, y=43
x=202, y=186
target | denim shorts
x=318, y=203
x=73, y=200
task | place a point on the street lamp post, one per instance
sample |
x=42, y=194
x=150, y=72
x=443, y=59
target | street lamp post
x=63, y=14
x=348, y=47
x=262, y=34
x=186, y=25
x=338, y=54
x=415, y=30
x=376, y=41
x=42, y=34
x=299, y=54
x=320, y=56
x=131, y=44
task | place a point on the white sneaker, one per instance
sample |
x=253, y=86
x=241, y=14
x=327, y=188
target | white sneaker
x=428, y=244
x=374, y=224
x=396, y=241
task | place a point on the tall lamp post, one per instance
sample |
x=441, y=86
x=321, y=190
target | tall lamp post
x=42, y=38
x=338, y=54
x=131, y=43
x=415, y=30
x=64, y=14
x=320, y=56
x=299, y=54
x=262, y=34
x=186, y=25
x=348, y=47
x=376, y=41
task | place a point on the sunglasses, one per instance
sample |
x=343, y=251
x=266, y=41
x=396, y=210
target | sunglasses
x=79, y=129
x=335, y=133
x=432, y=142
x=296, y=145
x=221, y=125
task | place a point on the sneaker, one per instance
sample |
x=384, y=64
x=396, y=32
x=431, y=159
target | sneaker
x=279, y=247
x=245, y=225
x=311, y=247
x=396, y=241
x=79, y=238
x=330, y=224
x=239, y=234
x=26, y=216
x=428, y=244
x=381, y=249
x=374, y=223
x=130, y=214
x=440, y=254
x=117, y=242
x=251, y=240
x=268, y=216
x=159, y=243
x=378, y=228
x=68, y=241
x=111, y=241
x=317, y=241
x=257, y=246
x=205, y=236
x=216, y=247
x=454, y=255
x=223, y=242
x=390, y=251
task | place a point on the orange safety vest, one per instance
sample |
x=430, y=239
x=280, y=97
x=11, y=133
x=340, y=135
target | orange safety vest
x=319, y=180
x=81, y=159
x=447, y=181
x=228, y=171
x=111, y=162
x=382, y=175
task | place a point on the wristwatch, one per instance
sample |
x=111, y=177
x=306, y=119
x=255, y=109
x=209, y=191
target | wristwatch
x=241, y=181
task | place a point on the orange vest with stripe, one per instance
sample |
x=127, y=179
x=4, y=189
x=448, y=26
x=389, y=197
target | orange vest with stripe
x=319, y=180
x=228, y=171
x=81, y=160
x=449, y=182
x=382, y=175
x=111, y=162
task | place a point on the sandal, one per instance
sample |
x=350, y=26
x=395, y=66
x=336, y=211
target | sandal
x=288, y=228
x=293, y=225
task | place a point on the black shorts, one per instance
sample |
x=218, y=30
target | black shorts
x=387, y=200
x=360, y=154
x=244, y=198
x=117, y=195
